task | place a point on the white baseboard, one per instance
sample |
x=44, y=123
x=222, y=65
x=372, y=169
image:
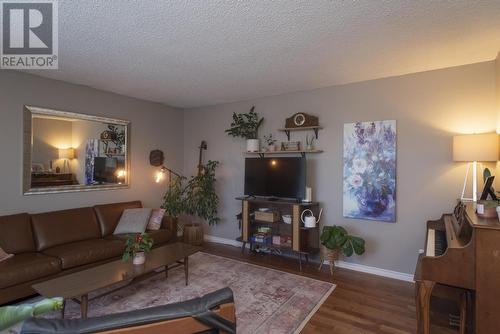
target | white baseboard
x=374, y=271
x=341, y=264
x=224, y=241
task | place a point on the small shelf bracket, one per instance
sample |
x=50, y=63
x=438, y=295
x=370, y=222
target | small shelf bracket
x=313, y=128
x=261, y=155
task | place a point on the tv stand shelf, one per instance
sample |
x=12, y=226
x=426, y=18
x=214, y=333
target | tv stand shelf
x=304, y=241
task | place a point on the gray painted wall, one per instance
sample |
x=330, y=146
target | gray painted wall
x=429, y=108
x=153, y=126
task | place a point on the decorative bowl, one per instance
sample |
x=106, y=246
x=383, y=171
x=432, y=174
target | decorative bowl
x=287, y=219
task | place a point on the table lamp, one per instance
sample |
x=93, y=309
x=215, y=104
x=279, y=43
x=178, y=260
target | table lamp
x=475, y=148
x=66, y=154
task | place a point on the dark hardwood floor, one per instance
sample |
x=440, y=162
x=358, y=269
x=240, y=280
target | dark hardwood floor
x=360, y=303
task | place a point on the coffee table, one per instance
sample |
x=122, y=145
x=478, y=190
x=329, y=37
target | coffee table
x=78, y=285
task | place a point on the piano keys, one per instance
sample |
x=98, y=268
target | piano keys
x=462, y=251
x=436, y=242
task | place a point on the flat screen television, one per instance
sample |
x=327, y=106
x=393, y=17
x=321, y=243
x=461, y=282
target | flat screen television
x=276, y=177
x=105, y=169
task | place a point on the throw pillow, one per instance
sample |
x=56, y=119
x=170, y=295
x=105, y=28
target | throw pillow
x=4, y=255
x=155, y=219
x=133, y=221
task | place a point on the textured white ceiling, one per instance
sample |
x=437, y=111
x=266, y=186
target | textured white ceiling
x=203, y=52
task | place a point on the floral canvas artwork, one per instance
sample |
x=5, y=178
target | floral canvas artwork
x=370, y=170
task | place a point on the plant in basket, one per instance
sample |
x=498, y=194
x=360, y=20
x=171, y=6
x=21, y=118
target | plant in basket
x=136, y=247
x=336, y=240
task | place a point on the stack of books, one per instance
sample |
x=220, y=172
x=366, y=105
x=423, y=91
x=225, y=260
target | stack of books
x=263, y=235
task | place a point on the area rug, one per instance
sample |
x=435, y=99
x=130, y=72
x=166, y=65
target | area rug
x=267, y=300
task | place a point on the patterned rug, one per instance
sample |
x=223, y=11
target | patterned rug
x=267, y=300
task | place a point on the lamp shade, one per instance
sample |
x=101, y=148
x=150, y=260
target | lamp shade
x=66, y=153
x=477, y=147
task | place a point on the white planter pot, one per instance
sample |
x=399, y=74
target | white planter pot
x=139, y=258
x=253, y=145
x=271, y=148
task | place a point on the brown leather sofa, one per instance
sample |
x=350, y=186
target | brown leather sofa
x=46, y=245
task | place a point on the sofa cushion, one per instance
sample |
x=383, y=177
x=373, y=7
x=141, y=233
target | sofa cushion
x=62, y=227
x=155, y=219
x=109, y=215
x=16, y=234
x=27, y=267
x=84, y=252
x=133, y=221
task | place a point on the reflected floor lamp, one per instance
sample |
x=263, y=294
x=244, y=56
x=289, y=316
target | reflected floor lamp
x=475, y=148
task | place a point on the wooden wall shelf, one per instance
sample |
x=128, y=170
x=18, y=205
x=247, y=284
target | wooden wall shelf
x=301, y=152
x=303, y=128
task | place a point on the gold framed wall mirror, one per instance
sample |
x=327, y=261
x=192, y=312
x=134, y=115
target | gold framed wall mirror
x=71, y=152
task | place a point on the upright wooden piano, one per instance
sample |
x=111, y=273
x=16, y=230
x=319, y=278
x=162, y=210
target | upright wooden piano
x=462, y=251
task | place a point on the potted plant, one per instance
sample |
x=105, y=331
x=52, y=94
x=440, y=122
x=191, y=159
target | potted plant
x=336, y=240
x=270, y=141
x=246, y=125
x=136, y=247
x=174, y=200
x=202, y=201
x=196, y=197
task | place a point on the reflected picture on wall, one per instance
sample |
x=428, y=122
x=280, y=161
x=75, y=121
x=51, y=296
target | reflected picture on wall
x=369, y=183
x=91, y=152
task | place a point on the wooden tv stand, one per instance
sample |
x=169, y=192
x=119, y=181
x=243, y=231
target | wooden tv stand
x=304, y=241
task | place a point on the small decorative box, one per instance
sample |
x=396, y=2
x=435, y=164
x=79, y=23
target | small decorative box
x=290, y=146
x=268, y=216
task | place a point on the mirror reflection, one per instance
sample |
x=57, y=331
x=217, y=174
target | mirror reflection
x=76, y=153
